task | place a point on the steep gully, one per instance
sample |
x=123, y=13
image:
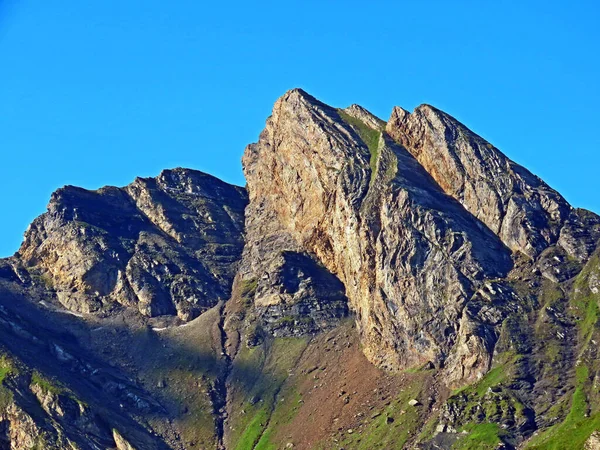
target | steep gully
x=219, y=393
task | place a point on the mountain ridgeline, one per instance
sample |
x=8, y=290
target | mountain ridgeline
x=397, y=284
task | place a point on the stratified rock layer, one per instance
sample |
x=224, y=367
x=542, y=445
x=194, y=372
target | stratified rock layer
x=409, y=256
x=515, y=204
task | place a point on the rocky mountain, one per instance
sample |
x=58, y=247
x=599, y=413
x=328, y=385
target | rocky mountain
x=375, y=285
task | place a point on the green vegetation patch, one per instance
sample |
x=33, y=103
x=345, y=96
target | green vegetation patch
x=428, y=430
x=49, y=386
x=368, y=135
x=196, y=424
x=248, y=290
x=585, y=302
x=286, y=322
x=46, y=384
x=481, y=406
x=183, y=374
x=7, y=368
x=283, y=413
x=581, y=419
x=495, y=377
x=259, y=375
x=480, y=436
x=577, y=426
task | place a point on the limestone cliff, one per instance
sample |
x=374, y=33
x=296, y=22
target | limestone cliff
x=410, y=257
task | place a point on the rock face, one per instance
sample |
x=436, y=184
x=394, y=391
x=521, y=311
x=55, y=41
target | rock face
x=409, y=255
x=166, y=245
x=388, y=278
x=515, y=204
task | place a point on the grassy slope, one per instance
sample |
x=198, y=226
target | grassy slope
x=481, y=436
x=473, y=401
x=261, y=372
x=187, y=366
x=577, y=426
x=583, y=417
x=393, y=426
x=310, y=394
x=580, y=411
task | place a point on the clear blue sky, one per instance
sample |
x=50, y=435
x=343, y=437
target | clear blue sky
x=99, y=92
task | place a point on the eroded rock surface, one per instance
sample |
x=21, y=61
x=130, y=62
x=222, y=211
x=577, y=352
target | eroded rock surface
x=515, y=204
x=166, y=245
x=409, y=255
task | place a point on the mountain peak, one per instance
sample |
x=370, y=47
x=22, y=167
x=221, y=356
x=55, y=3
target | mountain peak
x=365, y=116
x=525, y=212
x=101, y=247
x=299, y=95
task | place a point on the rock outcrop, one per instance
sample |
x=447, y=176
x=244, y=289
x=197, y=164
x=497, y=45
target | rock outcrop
x=409, y=256
x=515, y=204
x=166, y=245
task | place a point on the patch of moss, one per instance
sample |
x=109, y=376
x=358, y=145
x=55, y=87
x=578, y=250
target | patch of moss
x=286, y=321
x=7, y=367
x=54, y=387
x=248, y=290
x=45, y=384
x=254, y=334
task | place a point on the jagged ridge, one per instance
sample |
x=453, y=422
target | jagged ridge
x=460, y=268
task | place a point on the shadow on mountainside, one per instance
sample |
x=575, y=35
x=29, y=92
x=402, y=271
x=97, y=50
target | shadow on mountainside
x=156, y=386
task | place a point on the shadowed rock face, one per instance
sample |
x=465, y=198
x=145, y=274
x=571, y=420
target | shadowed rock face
x=166, y=245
